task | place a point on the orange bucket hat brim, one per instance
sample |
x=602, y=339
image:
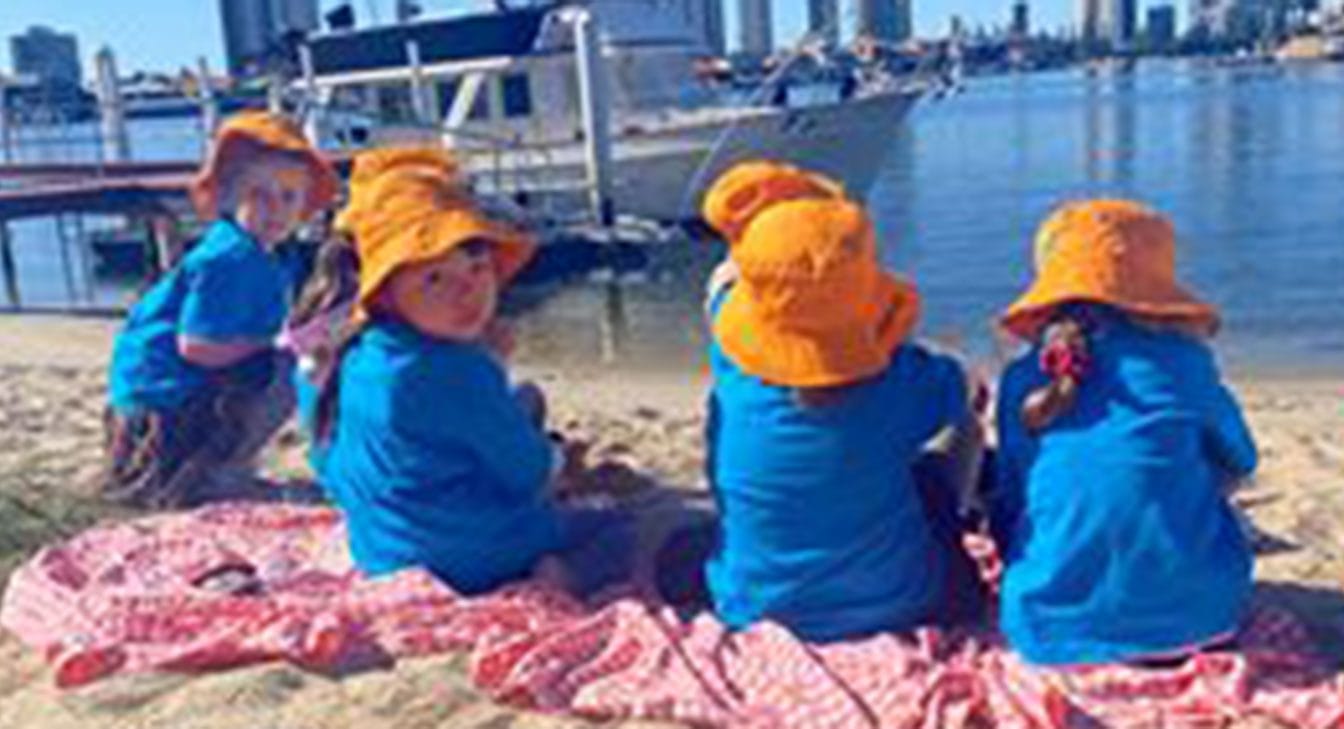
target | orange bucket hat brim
x=846, y=354
x=414, y=215
x=268, y=131
x=749, y=188
x=812, y=307
x=1112, y=252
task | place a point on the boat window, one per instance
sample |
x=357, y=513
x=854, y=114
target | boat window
x=480, y=106
x=517, y=95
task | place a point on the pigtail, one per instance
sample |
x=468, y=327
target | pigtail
x=335, y=279
x=1066, y=358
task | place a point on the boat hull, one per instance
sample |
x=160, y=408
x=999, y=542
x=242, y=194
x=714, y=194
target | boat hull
x=661, y=173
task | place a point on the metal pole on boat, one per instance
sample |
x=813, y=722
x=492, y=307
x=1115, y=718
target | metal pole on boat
x=7, y=266
x=419, y=99
x=4, y=122
x=116, y=142
x=209, y=104
x=596, y=114
x=312, y=122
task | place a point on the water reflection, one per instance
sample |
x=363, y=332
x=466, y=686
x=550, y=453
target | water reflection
x=1250, y=166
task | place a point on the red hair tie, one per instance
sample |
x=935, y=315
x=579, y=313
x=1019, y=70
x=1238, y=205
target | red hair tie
x=1062, y=358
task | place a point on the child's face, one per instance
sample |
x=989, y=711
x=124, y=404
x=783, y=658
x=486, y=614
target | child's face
x=452, y=297
x=271, y=198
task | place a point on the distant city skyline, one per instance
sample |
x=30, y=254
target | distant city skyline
x=165, y=35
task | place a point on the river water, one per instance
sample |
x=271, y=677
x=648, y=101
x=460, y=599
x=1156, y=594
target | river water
x=1249, y=162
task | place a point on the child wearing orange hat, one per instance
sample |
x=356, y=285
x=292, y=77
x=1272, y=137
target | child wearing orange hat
x=328, y=299
x=820, y=409
x=1118, y=442
x=194, y=387
x=430, y=455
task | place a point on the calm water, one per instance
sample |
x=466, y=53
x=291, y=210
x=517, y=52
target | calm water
x=1249, y=163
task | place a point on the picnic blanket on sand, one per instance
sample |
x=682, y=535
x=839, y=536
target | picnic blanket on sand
x=121, y=598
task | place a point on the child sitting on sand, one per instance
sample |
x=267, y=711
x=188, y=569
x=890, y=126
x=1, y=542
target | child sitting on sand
x=431, y=456
x=194, y=387
x=1118, y=444
x=818, y=413
x=328, y=299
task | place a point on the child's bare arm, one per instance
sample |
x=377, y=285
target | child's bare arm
x=214, y=355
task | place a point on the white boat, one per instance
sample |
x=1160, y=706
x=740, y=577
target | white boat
x=508, y=102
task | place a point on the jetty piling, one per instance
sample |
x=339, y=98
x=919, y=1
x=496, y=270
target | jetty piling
x=206, y=94
x=8, y=268
x=116, y=140
x=420, y=101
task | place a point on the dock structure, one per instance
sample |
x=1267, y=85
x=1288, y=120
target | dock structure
x=146, y=190
x=52, y=191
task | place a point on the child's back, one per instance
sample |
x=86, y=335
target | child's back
x=823, y=528
x=1123, y=543
x=817, y=417
x=1118, y=444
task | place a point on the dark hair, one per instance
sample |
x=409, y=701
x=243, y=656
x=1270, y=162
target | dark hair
x=1065, y=355
x=330, y=394
x=335, y=279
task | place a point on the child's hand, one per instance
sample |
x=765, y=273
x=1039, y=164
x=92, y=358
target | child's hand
x=724, y=275
x=499, y=338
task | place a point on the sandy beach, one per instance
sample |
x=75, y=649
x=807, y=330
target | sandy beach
x=51, y=397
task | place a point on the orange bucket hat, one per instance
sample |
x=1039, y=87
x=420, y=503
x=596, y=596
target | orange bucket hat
x=748, y=188
x=367, y=166
x=412, y=213
x=266, y=131
x=261, y=129
x=812, y=307
x=1112, y=252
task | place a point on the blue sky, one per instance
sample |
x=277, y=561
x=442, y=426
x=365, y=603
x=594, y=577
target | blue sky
x=169, y=34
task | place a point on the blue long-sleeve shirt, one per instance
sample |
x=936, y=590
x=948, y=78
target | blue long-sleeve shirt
x=821, y=526
x=435, y=464
x=228, y=288
x=1118, y=538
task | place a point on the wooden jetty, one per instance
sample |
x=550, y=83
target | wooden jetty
x=47, y=190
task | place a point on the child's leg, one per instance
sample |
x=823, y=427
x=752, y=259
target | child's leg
x=243, y=417
x=142, y=455
x=944, y=476
x=599, y=549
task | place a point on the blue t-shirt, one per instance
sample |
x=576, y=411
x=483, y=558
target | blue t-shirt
x=821, y=526
x=434, y=462
x=228, y=288
x=1118, y=539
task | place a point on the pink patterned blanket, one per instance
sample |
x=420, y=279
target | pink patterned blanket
x=123, y=598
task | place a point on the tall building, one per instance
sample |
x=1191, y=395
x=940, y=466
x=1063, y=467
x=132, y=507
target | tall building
x=1119, y=23
x=1160, y=29
x=1089, y=21
x=715, y=34
x=823, y=19
x=1108, y=24
x=1020, y=26
x=295, y=15
x=49, y=57
x=755, y=28
x=705, y=17
x=885, y=20
x=1222, y=21
x=253, y=28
